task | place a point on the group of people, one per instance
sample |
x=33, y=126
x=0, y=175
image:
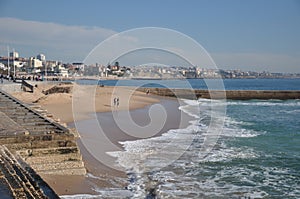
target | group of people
x=116, y=102
x=8, y=77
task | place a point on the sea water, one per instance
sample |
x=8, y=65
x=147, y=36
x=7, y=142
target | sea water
x=256, y=155
x=229, y=84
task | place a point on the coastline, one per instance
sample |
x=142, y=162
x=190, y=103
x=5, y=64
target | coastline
x=99, y=175
x=100, y=178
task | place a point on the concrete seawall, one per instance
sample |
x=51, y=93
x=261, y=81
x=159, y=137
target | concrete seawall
x=230, y=94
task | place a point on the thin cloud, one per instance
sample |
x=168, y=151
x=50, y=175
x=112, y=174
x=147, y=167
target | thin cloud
x=258, y=61
x=55, y=40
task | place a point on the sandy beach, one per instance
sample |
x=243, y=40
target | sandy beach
x=138, y=103
x=60, y=104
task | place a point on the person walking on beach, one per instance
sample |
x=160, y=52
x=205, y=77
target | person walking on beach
x=115, y=101
x=1, y=77
x=118, y=102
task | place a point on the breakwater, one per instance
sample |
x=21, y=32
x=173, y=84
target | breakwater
x=229, y=94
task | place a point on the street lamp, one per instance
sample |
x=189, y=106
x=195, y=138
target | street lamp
x=8, y=68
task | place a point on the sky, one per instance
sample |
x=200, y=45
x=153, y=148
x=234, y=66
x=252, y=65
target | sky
x=254, y=35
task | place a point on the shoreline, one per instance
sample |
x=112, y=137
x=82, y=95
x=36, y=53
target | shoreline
x=138, y=103
x=60, y=105
x=98, y=176
x=101, y=176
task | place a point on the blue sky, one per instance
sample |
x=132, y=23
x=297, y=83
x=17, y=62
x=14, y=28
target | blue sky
x=250, y=35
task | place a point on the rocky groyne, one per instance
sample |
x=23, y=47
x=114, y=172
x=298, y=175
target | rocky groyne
x=231, y=94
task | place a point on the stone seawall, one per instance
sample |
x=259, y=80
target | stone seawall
x=230, y=94
x=48, y=147
x=18, y=180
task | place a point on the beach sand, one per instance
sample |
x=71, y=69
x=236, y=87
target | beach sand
x=60, y=104
x=139, y=106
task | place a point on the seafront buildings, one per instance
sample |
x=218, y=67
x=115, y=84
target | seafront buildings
x=17, y=66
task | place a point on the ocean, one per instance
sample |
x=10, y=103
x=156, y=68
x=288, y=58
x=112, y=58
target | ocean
x=254, y=154
x=229, y=84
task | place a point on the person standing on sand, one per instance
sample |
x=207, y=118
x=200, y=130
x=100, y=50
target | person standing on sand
x=115, y=102
x=1, y=77
x=118, y=102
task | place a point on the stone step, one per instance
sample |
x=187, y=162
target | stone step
x=9, y=104
x=64, y=171
x=30, y=120
x=58, y=166
x=19, y=114
x=36, y=123
x=38, y=127
x=50, y=151
x=19, y=181
x=16, y=110
x=53, y=158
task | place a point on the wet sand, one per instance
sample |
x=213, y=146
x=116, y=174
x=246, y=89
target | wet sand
x=101, y=175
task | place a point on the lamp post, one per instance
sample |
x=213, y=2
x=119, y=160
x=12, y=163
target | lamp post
x=14, y=63
x=45, y=71
x=8, y=68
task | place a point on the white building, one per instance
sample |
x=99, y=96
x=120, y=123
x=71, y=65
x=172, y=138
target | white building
x=14, y=54
x=41, y=57
x=79, y=66
x=61, y=71
x=13, y=62
x=2, y=66
x=34, y=62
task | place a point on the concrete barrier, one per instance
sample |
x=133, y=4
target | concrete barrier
x=229, y=94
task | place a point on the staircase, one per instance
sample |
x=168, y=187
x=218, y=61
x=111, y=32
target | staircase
x=19, y=182
x=47, y=146
x=27, y=118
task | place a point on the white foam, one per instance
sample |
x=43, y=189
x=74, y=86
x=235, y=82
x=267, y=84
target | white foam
x=141, y=156
x=156, y=152
x=240, y=132
x=210, y=102
x=102, y=193
x=277, y=178
x=80, y=196
x=226, y=154
x=89, y=175
x=265, y=103
x=189, y=112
